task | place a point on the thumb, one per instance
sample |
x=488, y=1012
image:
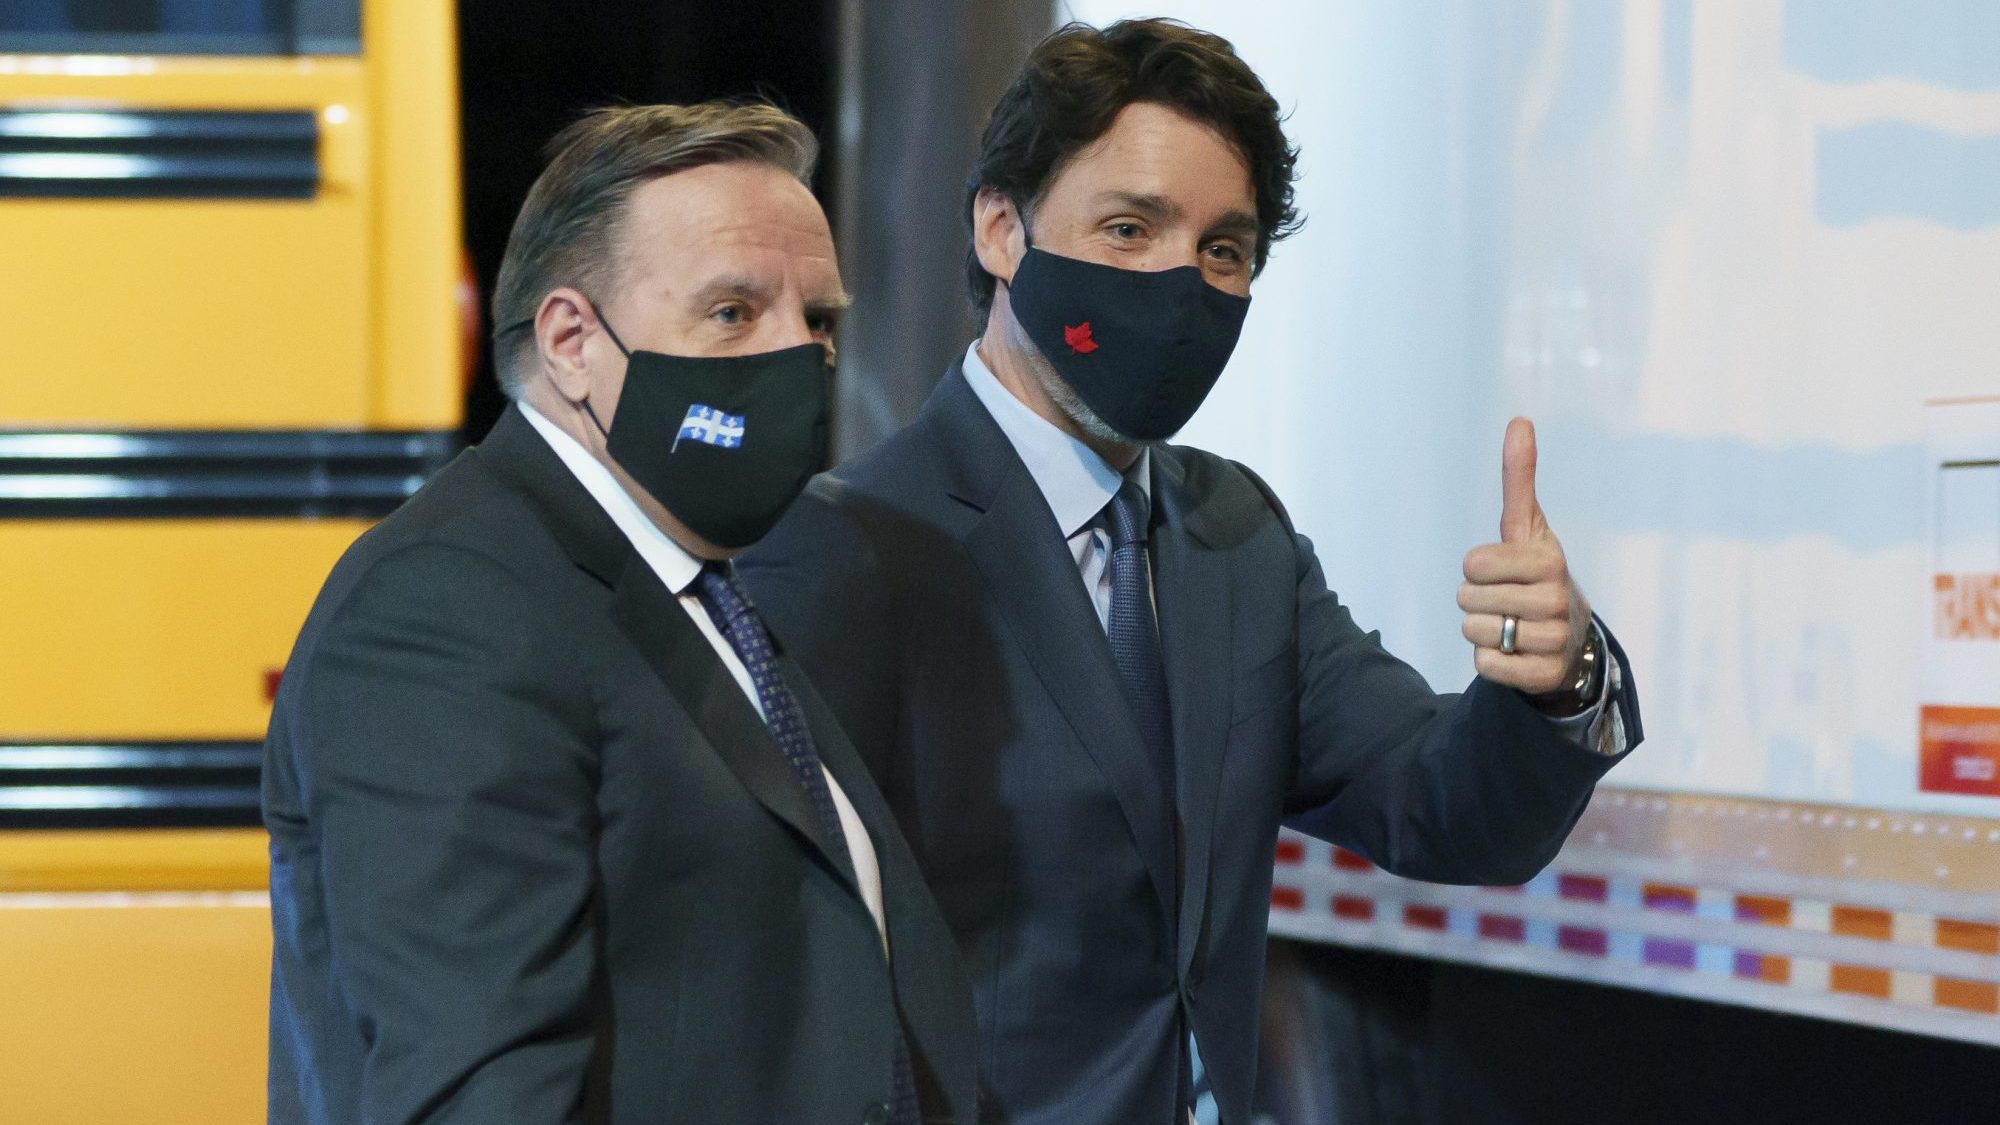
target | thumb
x=1520, y=512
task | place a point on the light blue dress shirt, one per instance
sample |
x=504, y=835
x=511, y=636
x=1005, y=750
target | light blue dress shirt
x=1077, y=484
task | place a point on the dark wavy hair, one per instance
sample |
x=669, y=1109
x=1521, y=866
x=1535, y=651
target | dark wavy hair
x=1077, y=80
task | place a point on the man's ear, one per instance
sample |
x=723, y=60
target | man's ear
x=998, y=235
x=563, y=324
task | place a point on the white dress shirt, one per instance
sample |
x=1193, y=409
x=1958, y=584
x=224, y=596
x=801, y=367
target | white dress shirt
x=678, y=570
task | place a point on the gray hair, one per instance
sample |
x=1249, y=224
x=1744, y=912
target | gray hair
x=568, y=232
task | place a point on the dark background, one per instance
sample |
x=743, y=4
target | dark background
x=529, y=67
x=1352, y=1037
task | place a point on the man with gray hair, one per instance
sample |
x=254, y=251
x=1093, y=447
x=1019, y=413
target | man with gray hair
x=557, y=834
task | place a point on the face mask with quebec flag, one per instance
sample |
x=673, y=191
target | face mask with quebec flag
x=725, y=443
x=1141, y=349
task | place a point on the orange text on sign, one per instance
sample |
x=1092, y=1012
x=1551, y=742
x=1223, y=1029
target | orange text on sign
x=1967, y=607
x=1960, y=750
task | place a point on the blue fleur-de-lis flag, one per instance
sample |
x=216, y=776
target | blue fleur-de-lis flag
x=710, y=426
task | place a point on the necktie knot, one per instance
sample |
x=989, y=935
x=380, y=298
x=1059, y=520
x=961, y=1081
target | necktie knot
x=1129, y=515
x=721, y=594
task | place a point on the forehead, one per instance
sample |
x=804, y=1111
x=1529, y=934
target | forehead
x=739, y=216
x=1152, y=150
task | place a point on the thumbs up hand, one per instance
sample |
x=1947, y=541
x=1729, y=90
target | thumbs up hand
x=1525, y=577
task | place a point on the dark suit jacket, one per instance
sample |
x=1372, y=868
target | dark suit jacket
x=534, y=857
x=929, y=592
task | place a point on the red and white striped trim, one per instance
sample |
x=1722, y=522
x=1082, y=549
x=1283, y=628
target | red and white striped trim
x=1937, y=973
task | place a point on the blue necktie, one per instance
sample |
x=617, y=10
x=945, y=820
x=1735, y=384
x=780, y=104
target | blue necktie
x=1135, y=635
x=1135, y=648
x=730, y=608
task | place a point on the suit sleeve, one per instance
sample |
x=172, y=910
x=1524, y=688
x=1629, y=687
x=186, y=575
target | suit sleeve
x=444, y=763
x=818, y=583
x=1475, y=788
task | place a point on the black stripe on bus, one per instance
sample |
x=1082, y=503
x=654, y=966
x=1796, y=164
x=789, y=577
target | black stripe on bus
x=214, y=474
x=56, y=153
x=207, y=784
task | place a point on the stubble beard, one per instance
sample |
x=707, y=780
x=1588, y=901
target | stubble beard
x=1068, y=401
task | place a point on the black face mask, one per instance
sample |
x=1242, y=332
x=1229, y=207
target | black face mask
x=725, y=443
x=1141, y=349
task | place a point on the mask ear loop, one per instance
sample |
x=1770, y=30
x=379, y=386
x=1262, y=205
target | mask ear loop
x=528, y=322
x=1027, y=231
x=1027, y=240
x=622, y=350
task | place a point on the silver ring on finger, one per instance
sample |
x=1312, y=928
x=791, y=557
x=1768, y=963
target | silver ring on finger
x=1509, y=626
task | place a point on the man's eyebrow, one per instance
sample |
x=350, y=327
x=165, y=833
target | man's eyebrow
x=1150, y=206
x=740, y=286
x=1237, y=223
x=836, y=303
x=1159, y=207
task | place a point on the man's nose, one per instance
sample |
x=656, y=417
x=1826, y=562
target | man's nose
x=1171, y=254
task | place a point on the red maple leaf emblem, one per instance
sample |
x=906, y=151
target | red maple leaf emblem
x=1078, y=338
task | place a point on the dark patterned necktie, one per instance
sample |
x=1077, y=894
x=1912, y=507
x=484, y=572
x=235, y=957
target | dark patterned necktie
x=1135, y=635
x=729, y=607
x=1135, y=647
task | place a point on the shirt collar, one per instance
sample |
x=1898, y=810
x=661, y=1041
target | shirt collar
x=676, y=568
x=1072, y=477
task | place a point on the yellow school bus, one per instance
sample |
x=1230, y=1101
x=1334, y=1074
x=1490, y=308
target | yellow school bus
x=231, y=335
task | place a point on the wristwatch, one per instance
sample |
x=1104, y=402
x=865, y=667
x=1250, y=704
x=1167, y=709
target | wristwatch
x=1581, y=694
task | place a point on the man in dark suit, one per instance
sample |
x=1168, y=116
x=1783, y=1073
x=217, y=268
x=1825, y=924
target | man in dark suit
x=556, y=833
x=1093, y=671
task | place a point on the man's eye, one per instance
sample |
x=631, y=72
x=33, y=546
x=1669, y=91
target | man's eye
x=730, y=314
x=1224, y=252
x=1125, y=230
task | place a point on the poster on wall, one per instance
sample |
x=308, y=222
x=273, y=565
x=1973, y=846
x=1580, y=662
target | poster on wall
x=1959, y=722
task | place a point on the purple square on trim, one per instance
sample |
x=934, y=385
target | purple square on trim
x=1674, y=954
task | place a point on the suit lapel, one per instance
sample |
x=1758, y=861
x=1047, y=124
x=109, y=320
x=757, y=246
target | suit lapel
x=932, y=994
x=892, y=859
x=1033, y=580
x=653, y=619
x=1191, y=588
x=688, y=665
x=519, y=456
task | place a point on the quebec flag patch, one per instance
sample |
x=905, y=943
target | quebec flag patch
x=710, y=426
